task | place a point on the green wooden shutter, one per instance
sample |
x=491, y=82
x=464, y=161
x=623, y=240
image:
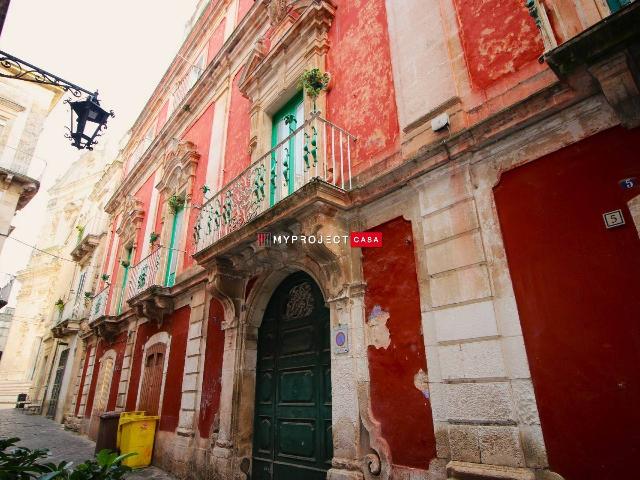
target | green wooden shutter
x=616, y=5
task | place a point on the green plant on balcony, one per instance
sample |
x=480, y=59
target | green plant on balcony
x=125, y=263
x=313, y=82
x=104, y=277
x=80, y=229
x=59, y=304
x=176, y=202
x=153, y=238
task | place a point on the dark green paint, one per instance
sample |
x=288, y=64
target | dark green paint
x=292, y=426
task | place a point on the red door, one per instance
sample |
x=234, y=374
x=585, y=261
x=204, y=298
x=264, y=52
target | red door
x=577, y=287
x=152, y=379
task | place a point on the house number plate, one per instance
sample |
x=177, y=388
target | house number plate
x=613, y=219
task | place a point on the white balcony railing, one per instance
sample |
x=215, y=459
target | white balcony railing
x=99, y=304
x=144, y=274
x=317, y=149
x=184, y=85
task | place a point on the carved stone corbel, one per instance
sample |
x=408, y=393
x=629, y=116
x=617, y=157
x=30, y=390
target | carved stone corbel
x=227, y=285
x=376, y=459
x=154, y=304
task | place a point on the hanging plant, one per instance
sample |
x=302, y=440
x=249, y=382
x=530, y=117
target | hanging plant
x=313, y=82
x=176, y=203
x=125, y=263
x=105, y=277
x=59, y=304
x=88, y=294
x=80, y=229
x=153, y=237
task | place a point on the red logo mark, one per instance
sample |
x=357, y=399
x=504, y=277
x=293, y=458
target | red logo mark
x=366, y=239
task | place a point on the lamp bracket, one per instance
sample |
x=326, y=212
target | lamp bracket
x=21, y=70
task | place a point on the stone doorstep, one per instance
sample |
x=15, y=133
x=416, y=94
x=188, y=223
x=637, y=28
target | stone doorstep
x=477, y=471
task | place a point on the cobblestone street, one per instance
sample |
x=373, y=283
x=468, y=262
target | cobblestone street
x=36, y=431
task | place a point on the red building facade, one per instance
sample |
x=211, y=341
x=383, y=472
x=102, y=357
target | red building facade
x=484, y=140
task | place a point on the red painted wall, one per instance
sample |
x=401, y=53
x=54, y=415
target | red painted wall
x=85, y=368
x=403, y=410
x=162, y=116
x=200, y=134
x=143, y=195
x=362, y=97
x=177, y=325
x=498, y=37
x=237, y=156
x=576, y=285
x=243, y=7
x=216, y=40
x=212, y=377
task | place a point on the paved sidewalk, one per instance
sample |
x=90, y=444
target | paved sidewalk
x=36, y=431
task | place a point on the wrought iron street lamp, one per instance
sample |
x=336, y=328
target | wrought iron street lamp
x=88, y=118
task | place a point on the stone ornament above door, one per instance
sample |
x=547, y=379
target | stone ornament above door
x=179, y=168
x=132, y=215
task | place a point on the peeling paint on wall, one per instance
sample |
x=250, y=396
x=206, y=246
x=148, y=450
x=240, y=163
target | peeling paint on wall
x=421, y=382
x=377, y=333
x=498, y=36
x=396, y=351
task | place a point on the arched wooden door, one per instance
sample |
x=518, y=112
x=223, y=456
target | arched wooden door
x=152, y=379
x=292, y=425
x=101, y=395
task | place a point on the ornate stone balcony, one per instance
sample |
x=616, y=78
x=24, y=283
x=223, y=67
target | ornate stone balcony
x=70, y=318
x=316, y=152
x=85, y=247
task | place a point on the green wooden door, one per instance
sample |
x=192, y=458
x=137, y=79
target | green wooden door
x=292, y=426
x=172, y=257
x=287, y=160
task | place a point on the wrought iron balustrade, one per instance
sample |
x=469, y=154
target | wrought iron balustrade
x=144, y=274
x=99, y=304
x=317, y=149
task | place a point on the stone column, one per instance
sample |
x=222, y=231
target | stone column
x=349, y=377
x=195, y=350
x=127, y=361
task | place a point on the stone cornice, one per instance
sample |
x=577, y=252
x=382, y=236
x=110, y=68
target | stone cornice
x=29, y=185
x=11, y=105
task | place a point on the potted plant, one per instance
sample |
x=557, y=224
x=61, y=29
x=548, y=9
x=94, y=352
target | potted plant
x=59, y=304
x=104, y=277
x=88, y=294
x=313, y=82
x=125, y=263
x=80, y=229
x=176, y=203
x=153, y=238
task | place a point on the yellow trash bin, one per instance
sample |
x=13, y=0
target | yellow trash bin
x=137, y=434
x=125, y=416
